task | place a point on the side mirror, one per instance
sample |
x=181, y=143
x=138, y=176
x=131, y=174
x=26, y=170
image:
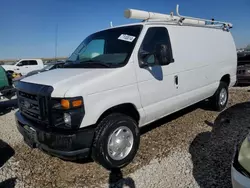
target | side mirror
x=162, y=54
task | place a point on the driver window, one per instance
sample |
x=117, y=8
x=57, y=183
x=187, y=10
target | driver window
x=93, y=49
x=22, y=63
x=154, y=36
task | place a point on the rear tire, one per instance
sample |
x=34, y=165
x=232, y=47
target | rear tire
x=116, y=141
x=220, y=98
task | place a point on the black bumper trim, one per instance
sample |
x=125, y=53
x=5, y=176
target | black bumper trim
x=67, y=145
x=71, y=155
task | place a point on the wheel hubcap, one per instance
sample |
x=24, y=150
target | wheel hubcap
x=120, y=143
x=223, y=97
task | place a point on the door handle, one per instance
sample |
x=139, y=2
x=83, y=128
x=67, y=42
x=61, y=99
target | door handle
x=176, y=80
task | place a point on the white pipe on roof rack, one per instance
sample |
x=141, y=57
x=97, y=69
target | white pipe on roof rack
x=200, y=19
x=145, y=15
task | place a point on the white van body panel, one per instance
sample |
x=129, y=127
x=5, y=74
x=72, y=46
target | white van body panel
x=207, y=60
x=202, y=57
x=65, y=80
x=200, y=63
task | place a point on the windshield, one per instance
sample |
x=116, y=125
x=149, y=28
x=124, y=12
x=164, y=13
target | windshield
x=105, y=49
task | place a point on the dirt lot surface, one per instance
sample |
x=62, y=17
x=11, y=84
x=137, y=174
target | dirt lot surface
x=191, y=148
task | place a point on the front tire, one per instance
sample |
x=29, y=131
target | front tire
x=220, y=98
x=116, y=141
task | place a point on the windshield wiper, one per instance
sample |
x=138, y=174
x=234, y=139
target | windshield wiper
x=96, y=62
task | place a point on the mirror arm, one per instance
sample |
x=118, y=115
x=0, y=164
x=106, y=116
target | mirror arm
x=143, y=55
x=142, y=64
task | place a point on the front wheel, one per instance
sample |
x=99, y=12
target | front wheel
x=220, y=98
x=116, y=141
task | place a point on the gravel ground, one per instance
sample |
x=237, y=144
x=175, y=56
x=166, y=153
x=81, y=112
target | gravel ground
x=191, y=148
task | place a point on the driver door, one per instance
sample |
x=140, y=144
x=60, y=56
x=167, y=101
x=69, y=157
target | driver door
x=157, y=84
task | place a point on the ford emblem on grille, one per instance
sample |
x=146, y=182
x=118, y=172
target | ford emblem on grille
x=27, y=104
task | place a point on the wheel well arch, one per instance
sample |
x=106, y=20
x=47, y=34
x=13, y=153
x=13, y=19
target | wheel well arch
x=125, y=108
x=226, y=79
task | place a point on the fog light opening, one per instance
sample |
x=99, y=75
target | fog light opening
x=67, y=119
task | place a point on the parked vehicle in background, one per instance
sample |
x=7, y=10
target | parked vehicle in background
x=240, y=169
x=123, y=78
x=243, y=68
x=24, y=66
x=50, y=66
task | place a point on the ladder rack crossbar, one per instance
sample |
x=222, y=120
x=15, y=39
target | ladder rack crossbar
x=200, y=19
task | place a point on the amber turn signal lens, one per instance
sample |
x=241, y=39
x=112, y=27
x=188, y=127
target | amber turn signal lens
x=77, y=103
x=65, y=103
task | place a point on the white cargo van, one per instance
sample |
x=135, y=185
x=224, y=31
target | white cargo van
x=123, y=78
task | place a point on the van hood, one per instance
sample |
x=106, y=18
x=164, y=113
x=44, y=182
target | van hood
x=64, y=79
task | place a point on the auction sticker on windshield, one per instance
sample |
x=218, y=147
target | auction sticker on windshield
x=127, y=38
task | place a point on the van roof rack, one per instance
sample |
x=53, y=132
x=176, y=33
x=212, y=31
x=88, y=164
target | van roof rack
x=179, y=19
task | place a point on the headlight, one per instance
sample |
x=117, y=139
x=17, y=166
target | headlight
x=248, y=71
x=67, y=113
x=71, y=103
x=68, y=103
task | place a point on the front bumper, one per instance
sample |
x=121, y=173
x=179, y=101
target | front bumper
x=69, y=145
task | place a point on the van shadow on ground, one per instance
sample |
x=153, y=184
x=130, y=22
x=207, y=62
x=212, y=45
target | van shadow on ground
x=212, y=152
x=7, y=106
x=6, y=152
x=9, y=183
x=116, y=180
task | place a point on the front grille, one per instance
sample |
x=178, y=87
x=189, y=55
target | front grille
x=33, y=107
